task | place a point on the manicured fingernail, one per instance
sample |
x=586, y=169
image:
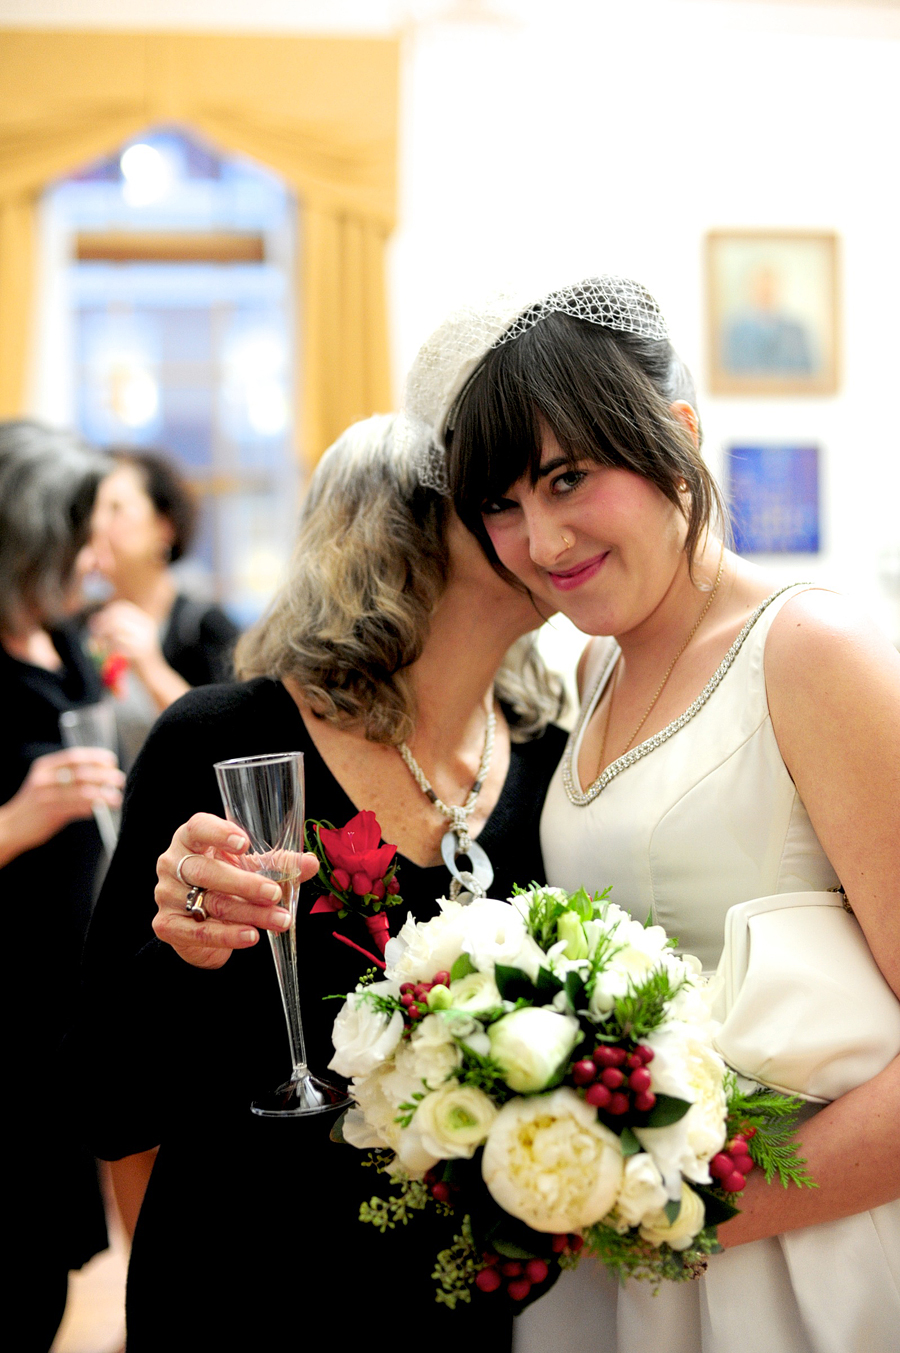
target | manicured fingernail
x=283, y=919
x=235, y=843
x=272, y=892
x=247, y=936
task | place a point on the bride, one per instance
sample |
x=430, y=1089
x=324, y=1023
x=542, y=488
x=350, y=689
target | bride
x=736, y=739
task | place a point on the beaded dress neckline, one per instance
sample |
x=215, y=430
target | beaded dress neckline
x=579, y=797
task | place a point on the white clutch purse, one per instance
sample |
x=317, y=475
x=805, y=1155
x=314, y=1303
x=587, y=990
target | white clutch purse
x=804, y=1006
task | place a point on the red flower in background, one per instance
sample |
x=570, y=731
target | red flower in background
x=354, y=849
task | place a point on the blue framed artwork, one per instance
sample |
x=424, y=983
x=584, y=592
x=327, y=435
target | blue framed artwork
x=773, y=494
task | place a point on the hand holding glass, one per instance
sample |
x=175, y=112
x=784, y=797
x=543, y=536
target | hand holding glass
x=264, y=795
x=95, y=726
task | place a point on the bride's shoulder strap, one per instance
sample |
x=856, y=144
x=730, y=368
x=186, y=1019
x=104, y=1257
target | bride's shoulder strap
x=592, y=662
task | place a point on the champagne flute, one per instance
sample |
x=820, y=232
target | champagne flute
x=95, y=726
x=264, y=795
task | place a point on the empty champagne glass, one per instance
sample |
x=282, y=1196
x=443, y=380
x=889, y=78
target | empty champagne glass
x=264, y=795
x=95, y=726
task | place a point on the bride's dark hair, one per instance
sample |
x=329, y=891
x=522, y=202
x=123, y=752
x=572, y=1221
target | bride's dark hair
x=606, y=397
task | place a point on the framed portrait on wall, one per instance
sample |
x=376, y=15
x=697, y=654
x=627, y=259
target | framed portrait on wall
x=773, y=496
x=772, y=305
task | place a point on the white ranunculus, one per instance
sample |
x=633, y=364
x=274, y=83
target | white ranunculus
x=454, y=1121
x=530, y=1045
x=495, y=932
x=422, y=948
x=642, y=1191
x=475, y=993
x=549, y=1161
x=364, y=1036
x=684, y=1066
x=677, y=1234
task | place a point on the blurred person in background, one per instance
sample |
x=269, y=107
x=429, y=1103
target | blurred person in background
x=50, y=851
x=153, y=642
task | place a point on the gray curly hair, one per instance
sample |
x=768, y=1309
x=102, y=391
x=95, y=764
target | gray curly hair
x=48, y=480
x=370, y=563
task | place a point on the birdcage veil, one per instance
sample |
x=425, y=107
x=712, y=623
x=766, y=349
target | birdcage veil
x=448, y=359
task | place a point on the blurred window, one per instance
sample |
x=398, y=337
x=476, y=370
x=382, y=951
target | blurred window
x=166, y=322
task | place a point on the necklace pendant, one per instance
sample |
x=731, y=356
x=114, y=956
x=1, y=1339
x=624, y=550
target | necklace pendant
x=482, y=871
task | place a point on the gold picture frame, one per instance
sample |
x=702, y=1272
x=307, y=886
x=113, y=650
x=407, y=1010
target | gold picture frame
x=773, y=312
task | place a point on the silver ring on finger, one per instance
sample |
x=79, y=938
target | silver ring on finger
x=64, y=776
x=193, y=904
x=180, y=865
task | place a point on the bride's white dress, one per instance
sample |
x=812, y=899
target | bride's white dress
x=701, y=816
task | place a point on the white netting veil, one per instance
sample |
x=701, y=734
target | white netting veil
x=447, y=360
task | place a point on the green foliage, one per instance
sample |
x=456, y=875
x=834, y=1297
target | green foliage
x=774, y=1148
x=462, y=967
x=408, y=1110
x=484, y=1074
x=628, y=1256
x=643, y=1008
x=387, y=1213
x=668, y=1109
x=456, y=1267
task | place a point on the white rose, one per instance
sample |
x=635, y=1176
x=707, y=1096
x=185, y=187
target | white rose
x=495, y=932
x=549, y=1161
x=364, y=1036
x=531, y=1044
x=374, y=1123
x=454, y=1121
x=687, y=1068
x=642, y=1191
x=677, y=1234
x=422, y=948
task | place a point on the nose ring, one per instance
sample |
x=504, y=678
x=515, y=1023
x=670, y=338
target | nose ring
x=566, y=541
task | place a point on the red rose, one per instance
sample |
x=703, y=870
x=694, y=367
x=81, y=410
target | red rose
x=354, y=848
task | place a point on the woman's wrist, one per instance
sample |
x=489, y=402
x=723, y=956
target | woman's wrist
x=162, y=681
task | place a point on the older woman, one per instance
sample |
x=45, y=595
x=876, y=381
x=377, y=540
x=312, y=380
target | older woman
x=391, y=633
x=49, y=853
x=738, y=739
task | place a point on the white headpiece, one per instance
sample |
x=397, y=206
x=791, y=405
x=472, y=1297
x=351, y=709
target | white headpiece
x=447, y=360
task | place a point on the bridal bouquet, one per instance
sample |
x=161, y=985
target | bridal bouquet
x=542, y=1072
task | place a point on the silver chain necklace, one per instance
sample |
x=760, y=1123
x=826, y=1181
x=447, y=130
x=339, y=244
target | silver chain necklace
x=457, y=841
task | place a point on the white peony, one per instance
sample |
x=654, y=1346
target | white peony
x=364, y=1036
x=642, y=1191
x=531, y=1044
x=549, y=1161
x=454, y=1121
x=495, y=932
x=422, y=948
x=687, y=1068
x=677, y=1234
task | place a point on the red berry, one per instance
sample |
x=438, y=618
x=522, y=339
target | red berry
x=584, y=1072
x=634, y=1061
x=644, y=1101
x=646, y=1054
x=750, y=1133
x=488, y=1280
x=559, y=1243
x=441, y=979
x=598, y=1096
x=737, y=1145
x=407, y=988
x=511, y=1268
x=536, y=1270
x=441, y=1192
x=618, y=1103
x=721, y=1165
x=743, y=1164
x=640, y=1080
x=619, y=1055
x=734, y=1182
x=604, y=1055
x=612, y=1077
x=407, y=1000
x=490, y=1258
x=575, y=1242
x=519, y=1289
